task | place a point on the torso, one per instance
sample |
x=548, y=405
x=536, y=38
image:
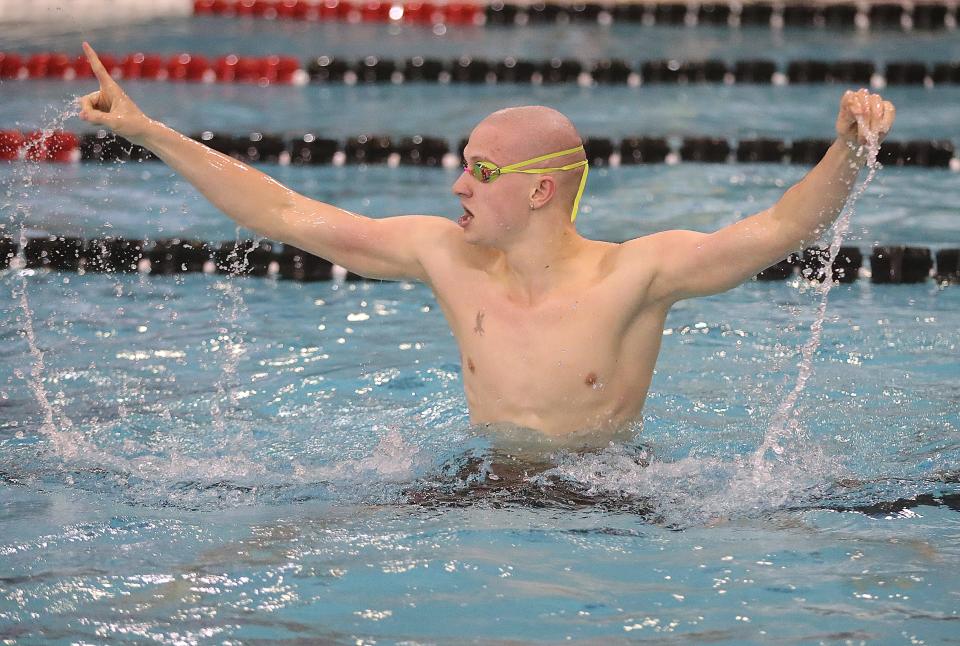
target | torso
x=580, y=359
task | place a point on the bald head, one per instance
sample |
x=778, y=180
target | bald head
x=532, y=130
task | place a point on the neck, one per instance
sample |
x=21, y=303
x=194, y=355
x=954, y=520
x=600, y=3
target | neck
x=540, y=261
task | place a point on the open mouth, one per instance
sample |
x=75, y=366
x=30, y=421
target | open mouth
x=465, y=218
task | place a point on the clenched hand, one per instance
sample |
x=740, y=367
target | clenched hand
x=861, y=113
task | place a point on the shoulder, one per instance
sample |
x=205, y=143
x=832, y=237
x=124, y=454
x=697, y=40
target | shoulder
x=440, y=243
x=642, y=253
x=436, y=234
x=661, y=250
x=426, y=233
x=647, y=260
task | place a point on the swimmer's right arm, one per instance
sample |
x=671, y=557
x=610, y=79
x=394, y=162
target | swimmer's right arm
x=388, y=248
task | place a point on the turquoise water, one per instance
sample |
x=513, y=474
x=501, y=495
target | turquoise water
x=203, y=459
x=289, y=512
x=339, y=111
x=215, y=36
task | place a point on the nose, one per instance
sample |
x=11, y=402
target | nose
x=461, y=187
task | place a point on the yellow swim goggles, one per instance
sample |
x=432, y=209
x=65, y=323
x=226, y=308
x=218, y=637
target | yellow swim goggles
x=486, y=172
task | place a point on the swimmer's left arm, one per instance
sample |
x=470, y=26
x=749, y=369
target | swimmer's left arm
x=689, y=263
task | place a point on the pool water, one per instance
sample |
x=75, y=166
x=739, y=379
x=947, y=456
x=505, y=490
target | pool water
x=214, y=459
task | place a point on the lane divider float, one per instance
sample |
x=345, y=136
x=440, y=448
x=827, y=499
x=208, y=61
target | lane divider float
x=905, y=16
x=288, y=70
x=888, y=264
x=168, y=257
x=420, y=150
x=182, y=67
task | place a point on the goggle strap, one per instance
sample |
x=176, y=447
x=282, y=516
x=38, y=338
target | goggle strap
x=583, y=184
x=541, y=171
x=541, y=158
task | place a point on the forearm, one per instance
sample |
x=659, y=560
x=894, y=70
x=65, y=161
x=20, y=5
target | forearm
x=250, y=197
x=810, y=206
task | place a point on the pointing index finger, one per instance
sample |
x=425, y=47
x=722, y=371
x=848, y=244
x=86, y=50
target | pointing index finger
x=98, y=69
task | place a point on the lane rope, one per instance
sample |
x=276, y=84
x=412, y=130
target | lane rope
x=905, y=16
x=427, y=151
x=888, y=264
x=288, y=70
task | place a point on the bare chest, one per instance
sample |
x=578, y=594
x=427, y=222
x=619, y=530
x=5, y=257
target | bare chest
x=579, y=356
x=567, y=349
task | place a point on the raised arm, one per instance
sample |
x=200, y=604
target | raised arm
x=385, y=248
x=688, y=263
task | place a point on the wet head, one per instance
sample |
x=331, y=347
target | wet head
x=516, y=205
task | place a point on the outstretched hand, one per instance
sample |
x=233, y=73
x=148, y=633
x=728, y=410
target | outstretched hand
x=863, y=113
x=110, y=106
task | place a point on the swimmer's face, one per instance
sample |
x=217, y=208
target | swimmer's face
x=493, y=211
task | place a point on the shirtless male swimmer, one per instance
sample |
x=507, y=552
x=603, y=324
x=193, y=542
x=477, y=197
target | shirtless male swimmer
x=556, y=332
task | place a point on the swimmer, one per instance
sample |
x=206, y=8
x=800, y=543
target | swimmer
x=557, y=333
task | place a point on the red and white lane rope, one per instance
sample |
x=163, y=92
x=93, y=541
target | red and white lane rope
x=139, y=65
x=277, y=69
x=427, y=13
x=927, y=15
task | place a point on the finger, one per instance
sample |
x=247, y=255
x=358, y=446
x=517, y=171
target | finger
x=89, y=102
x=847, y=108
x=856, y=103
x=90, y=112
x=878, y=115
x=889, y=114
x=98, y=69
x=870, y=120
x=867, y=123
x=850, y=101
x=859, y=110
x=860, y=95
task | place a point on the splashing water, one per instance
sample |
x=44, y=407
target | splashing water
x=774, y=476
x=230, y=337
x=392, y=460
x=164, y=467
x=785, y=424
x=787, y=467
x=66, y=441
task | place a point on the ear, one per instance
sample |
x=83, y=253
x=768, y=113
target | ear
x=543, y=191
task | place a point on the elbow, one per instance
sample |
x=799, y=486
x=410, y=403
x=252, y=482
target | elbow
x=298, y=222
x=789, y=233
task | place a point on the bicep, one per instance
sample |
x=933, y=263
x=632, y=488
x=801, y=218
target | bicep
x=690, y=263
x=384, y=248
